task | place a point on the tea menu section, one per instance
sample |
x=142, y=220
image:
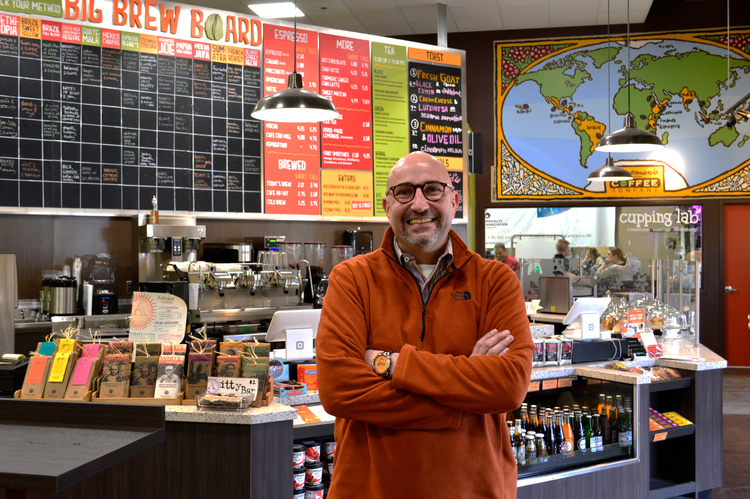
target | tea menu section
x=97, y=118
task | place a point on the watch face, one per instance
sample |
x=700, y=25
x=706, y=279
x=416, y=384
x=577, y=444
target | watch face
x=381, y=364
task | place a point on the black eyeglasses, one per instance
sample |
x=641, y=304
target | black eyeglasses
x=432, y=191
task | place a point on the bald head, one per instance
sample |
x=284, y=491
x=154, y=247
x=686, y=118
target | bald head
x=418, y=162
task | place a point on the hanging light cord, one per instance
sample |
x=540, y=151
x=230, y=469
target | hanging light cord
x=295, y=35
x=628, y=55
x=609, y=78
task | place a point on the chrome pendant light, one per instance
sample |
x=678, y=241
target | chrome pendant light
x=629, y=138
x=294, y=104
x=609, y=172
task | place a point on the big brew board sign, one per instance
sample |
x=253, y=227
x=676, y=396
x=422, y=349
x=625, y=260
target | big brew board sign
x=106, y=105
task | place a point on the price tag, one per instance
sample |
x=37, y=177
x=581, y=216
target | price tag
x=549, y=384
x=660, y=436
x=564, y=382
x=534, y=386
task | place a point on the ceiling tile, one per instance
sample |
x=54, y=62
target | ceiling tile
x=636, y=17
x=481, y=25
x=579, y=13
x=417, y=14
x=334, y=20
x=364, y=6
x=528, y=11
x=539, y=21
x=327, y=7
x=389, y=29
x=520, y=2
x=469, y=14
x=381, y=18
x=231, y=6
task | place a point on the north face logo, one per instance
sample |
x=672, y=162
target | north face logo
x=461, y=296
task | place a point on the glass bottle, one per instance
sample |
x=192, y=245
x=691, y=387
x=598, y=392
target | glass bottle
x=541, y=448
x=605, y=429
x=614, y=425
x=531, y=448
x=518, y=443
x=568, y=430
x=524, y=417
x=589, y=432
x=602, y=403
x=549, y=434
x=598, y=440
x=542, y=426
x=560, y=444
x=532, y=424
x=579, y=434
x=609, y=403
x=626, y=430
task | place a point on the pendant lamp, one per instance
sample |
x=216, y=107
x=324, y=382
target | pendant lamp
x=294, y=104
x=629, y=138
x=609, y=172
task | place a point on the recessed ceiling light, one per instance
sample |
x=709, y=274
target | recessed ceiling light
x=276, y=10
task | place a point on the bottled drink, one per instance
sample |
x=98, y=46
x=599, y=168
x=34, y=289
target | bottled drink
x=609, y=403
x=589, y=432
x=549, y=433
x=524, y=418
x=531, y=448
x=560, y=444
x=541, y=448
x=579, y=435
x=542, y=426
x=518, y=443
x=626, y=430
x=568, y=431
x=532, y=424
x=614, y=425
x=602, y=404
x=604, y=425
x=618, y=404
x=598, y=441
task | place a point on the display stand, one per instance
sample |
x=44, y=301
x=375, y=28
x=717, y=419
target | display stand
x=49, y=448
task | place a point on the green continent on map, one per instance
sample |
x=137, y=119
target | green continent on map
x=601, y=56
x=589, y=131
x=554, y=82
x=723, y=135
x=675, y=74
x=744, y=139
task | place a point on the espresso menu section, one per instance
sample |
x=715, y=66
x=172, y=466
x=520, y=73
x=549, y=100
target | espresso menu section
x=102, y=119
x=97, y=117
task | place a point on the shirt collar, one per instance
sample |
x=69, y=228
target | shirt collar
x=402, y=257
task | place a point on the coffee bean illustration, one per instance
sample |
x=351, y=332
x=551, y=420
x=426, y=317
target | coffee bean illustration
x=214, y=27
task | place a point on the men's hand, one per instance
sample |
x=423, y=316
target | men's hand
x=370, y=356
x=493, y=343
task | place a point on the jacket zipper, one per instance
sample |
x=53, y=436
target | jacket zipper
x=419, y=289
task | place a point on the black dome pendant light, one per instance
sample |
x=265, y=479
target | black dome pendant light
x=294, y=104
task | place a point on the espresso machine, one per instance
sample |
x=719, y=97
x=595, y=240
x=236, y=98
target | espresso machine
x=173, y=239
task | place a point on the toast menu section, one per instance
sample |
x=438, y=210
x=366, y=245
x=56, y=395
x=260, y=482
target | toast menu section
x=106, y=107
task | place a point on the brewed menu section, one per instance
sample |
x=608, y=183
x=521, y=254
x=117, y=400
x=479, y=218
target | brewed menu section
x=292, y=150
x=104, y=119
x=435, y=114
x=390, y=114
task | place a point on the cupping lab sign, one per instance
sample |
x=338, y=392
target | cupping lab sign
x=150, y=15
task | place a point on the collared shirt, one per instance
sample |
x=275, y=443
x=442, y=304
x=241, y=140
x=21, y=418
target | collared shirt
x=409, y=262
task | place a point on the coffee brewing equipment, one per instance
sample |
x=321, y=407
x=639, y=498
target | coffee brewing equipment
x=173, y=239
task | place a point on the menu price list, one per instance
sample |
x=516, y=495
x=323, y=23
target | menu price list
x=292, y=150
x=97, y=118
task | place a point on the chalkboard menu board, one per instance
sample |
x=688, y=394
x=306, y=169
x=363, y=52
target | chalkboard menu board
x=109, y=113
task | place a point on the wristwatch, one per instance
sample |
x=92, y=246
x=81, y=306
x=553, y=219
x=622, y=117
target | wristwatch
x=381, y=364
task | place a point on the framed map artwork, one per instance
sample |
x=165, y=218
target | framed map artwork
x=556, y=98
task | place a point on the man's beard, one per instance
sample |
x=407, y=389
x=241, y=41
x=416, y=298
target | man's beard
x=424, y=239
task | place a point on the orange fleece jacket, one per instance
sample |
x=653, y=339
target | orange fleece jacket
x=437, y=429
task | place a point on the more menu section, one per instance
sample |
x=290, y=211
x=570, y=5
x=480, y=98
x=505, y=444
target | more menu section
x=292, y=150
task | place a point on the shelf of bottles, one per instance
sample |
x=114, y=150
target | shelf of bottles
x=564, y=429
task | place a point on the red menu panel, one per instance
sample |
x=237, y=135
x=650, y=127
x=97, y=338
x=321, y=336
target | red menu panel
x=292, y=150
x=345, y=79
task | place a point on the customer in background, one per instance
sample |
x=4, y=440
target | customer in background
x=502, y=256
x=560, y=262
x=422, y=347
x=592, y=262
x=615, y=269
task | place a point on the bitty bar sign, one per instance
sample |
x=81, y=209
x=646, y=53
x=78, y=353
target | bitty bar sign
x=149, y=16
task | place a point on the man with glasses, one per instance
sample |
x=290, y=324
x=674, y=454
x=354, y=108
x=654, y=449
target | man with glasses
x=422, y=348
